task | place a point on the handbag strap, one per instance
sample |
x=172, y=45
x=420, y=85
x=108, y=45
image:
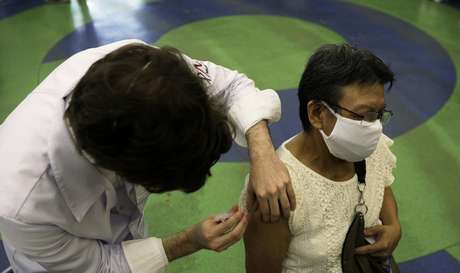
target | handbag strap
x=360, y=170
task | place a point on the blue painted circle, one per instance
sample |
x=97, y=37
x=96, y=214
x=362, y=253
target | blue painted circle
x=425, y=73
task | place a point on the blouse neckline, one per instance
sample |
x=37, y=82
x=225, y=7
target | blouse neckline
x=283, y=150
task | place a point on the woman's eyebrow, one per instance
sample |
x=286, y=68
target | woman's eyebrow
x=368, y=108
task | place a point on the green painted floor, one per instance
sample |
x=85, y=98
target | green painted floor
x=428, y=174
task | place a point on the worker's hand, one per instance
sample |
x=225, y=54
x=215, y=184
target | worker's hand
x=217, y=233
x=272, y=187
x=269, y=177
x=387, y=238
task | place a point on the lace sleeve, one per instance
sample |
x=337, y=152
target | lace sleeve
x=386, y=159
x=299, y=192
x=296, y=184
x=244, y=194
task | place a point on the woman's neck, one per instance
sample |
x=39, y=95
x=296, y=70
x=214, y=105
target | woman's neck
x=310, y=149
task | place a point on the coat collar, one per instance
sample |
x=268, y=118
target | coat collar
x=80, y=182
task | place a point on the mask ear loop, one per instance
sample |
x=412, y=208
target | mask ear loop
x=329, y=108
x=332, y=112
x=335, y=114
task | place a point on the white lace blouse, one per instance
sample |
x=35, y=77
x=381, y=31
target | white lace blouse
x=325, y=210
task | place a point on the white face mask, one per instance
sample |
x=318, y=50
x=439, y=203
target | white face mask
x=352, y=140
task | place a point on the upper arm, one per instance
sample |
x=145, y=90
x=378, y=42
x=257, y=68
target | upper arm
x=388, y=197
x=243, y=102
x=266, y=245
x=220, y=81
x=389, y=210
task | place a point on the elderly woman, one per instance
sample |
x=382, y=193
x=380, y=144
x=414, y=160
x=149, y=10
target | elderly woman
x=342, y=110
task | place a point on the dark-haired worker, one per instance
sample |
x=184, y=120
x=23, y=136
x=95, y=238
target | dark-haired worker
x=80, y=155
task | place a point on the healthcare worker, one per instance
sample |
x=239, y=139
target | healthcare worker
x=112, y=124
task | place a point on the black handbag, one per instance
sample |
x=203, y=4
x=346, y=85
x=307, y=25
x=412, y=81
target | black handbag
x=352, y=263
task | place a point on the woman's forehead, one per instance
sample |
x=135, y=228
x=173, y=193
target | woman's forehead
x=360, y=96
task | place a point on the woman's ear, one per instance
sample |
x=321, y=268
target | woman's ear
x=314, y=109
